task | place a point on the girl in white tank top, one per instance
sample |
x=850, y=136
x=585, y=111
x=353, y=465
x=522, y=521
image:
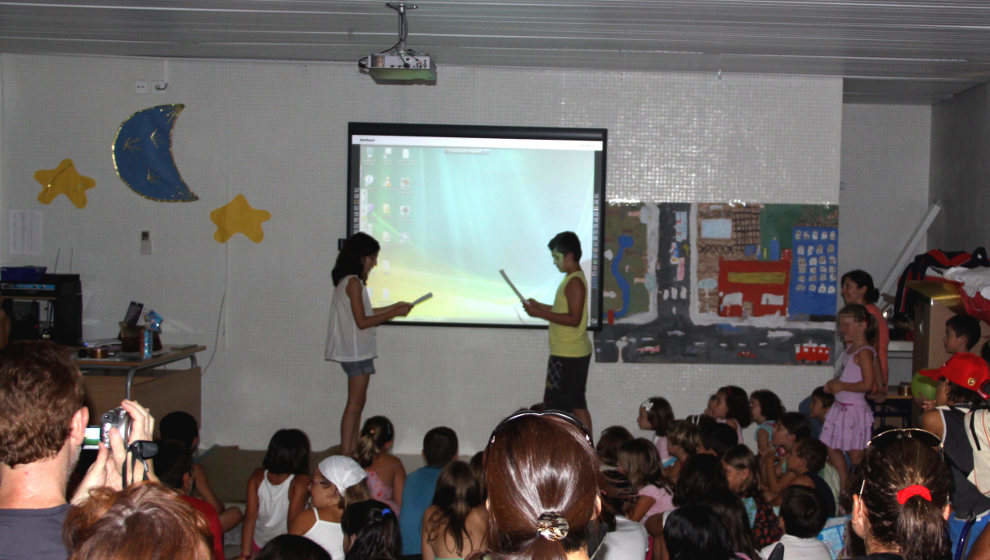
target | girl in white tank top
x=351, y=329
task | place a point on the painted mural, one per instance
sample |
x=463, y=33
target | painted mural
x=719, y=283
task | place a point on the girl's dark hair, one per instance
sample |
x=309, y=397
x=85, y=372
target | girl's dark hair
x=609, y=442
x=740, y=457
x=375, y=528
x=288, y=453
x=863, y=279
x=701, y=475
x=916, y=528
x=355, y=248
x=685, y=435
x=738, y=403
x=376, y=432
x=693, y=532
x=539, y=464
x=457, y=493
x=292, y=547
x=478, y=470
x=660, y=414
x=732, y=513
x=640, y=461
x=860, y=314
x=770, y=405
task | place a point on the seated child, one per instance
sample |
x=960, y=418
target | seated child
x=638, y=460
x=716, y=437
x=741, y=472
x=173, y=465
x=181, y=426
x=683, y=441
x=439, y=448
x=386, y=475
x=371, y=530
x=276, y=493
x=765, y=409
x=807, y=458
x=803, y=518
x=455, y=525
x=820, y=403
x=655, y=414
x=338, y=481
x=732, y=408
x=962, y=332
x=619, y=495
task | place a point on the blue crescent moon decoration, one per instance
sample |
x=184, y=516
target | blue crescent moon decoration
x=142, y=155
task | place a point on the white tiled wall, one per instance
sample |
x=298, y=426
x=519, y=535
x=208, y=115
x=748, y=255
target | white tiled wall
x=276, y=133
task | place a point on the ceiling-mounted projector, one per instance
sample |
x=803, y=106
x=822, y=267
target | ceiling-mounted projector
x=397, y=64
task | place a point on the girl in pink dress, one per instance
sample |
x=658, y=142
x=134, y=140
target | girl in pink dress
x=849, y=423
x=857, y=287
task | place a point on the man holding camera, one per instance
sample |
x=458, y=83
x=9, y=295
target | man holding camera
x=42, y=427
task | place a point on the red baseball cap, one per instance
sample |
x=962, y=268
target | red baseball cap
x=964, y=369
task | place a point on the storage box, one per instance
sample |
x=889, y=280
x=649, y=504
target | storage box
x=933, y=304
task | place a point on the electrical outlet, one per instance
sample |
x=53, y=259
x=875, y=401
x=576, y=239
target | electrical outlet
x=159, y=85
x=141, y=87
x=145, y=242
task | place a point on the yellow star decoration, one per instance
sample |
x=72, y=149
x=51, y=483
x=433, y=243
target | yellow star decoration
x=64, y=179
x=237, y=216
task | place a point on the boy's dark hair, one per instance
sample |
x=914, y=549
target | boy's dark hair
x=609, y=442
x=966, y=327
x=796, y=424
x=803, y=516
x=174, y=460
x=827, y=399
x=813, y=451
x=738, y=402
x=566, y=242
x=718, y=437
x=439, y=446
x=180, y=426
x=770, y=405
x=288, y=453
x=960, y=395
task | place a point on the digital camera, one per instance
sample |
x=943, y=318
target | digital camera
x=115, y=418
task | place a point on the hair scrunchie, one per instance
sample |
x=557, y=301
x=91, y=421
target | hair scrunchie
x=906, y=494
x=552, y=526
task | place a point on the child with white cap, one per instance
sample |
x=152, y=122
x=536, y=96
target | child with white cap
x=337, y=482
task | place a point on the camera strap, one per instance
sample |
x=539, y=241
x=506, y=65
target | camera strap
x=143, y=450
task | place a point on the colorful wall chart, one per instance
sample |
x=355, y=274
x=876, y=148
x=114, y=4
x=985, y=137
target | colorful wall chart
x=719, y=283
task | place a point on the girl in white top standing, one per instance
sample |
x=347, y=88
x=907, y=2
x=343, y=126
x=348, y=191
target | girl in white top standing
x=351, y=334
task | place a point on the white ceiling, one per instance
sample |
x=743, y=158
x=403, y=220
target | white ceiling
x=889, y=51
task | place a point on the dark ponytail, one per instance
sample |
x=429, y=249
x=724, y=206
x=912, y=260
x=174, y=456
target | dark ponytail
x=355, y=248
x=909, y=471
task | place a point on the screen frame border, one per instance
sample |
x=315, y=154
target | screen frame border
x=489, y=131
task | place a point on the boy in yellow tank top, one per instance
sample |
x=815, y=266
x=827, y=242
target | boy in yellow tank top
x=570, y=347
